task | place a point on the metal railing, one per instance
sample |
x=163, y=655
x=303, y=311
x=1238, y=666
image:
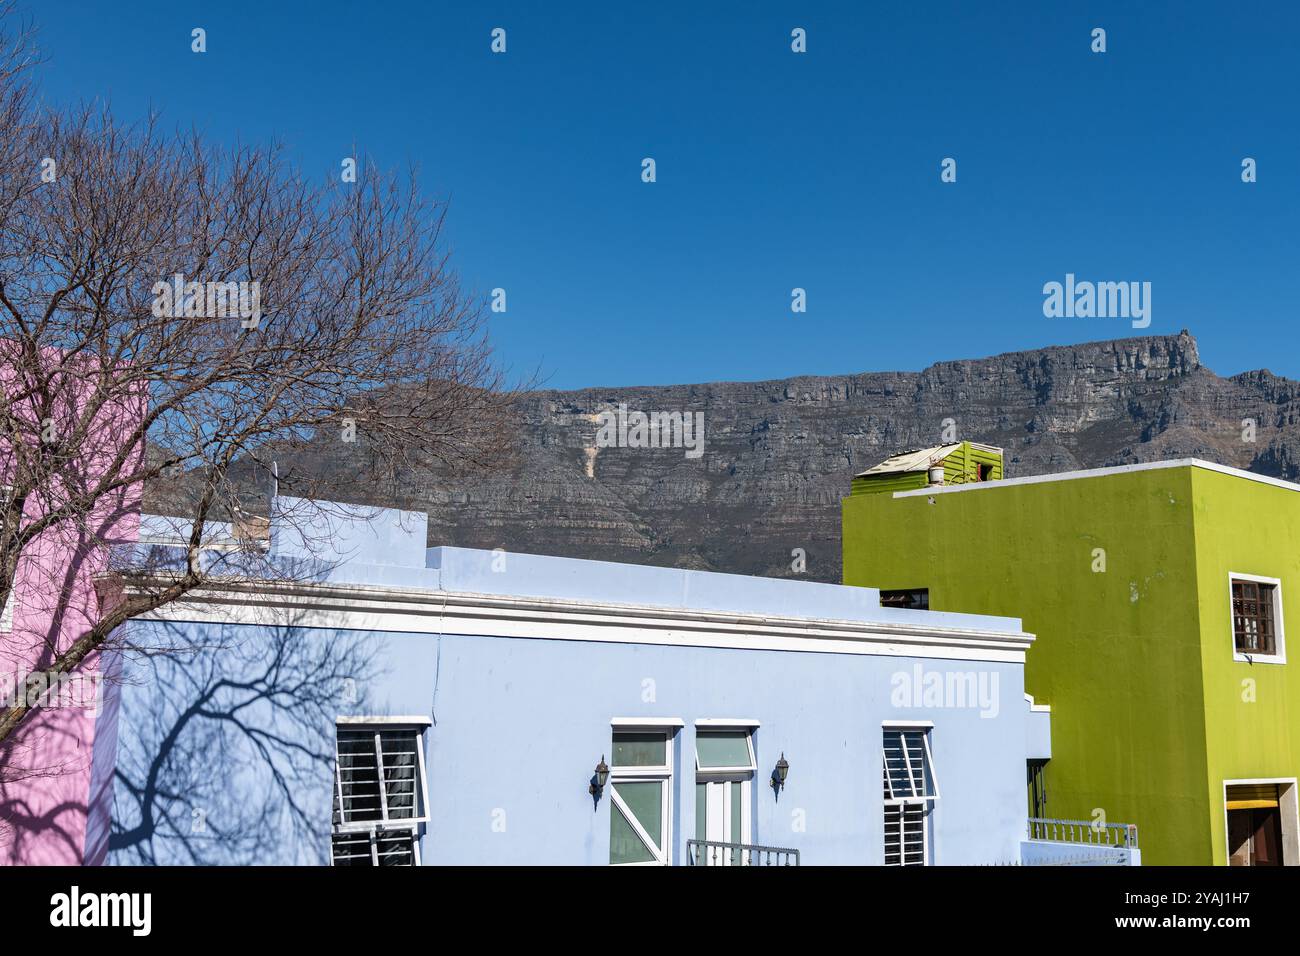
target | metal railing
x=1097, y=857
x=1084, y=832
x=713, y=853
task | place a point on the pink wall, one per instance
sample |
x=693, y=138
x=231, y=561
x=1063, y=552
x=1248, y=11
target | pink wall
x=56, y=769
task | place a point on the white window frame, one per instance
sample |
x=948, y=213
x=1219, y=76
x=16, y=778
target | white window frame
x=742, y=776
x=1279, y=657
x=904, y=808
x=927, y=802
x=661, y=773
x=705, y=731
x=407, y=826
x=373, y=837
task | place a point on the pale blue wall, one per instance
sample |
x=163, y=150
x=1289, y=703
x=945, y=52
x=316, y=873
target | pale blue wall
x=355, y=534
x=521, y=723
x=538, y=713
x=226, y=741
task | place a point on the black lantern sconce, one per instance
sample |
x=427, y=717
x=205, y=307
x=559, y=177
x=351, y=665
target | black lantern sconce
x=599, y=780
x=780, y=773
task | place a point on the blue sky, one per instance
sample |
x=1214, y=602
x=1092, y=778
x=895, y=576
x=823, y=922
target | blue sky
x=775, y=170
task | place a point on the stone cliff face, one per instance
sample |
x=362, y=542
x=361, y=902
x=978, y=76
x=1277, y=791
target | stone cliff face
x=779, y=455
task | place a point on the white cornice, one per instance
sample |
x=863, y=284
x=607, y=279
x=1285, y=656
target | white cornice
x=391, y=609
x=1099, y=473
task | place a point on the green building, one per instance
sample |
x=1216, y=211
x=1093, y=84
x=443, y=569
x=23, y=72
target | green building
x=1157, y=593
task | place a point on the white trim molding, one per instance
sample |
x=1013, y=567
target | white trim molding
x=1100, y=473
x=650, y=723
x=737, y=722
x=411, y=721
x=412, y=610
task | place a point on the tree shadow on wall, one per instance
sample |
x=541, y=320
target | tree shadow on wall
x=39, y=801
x=226, y=749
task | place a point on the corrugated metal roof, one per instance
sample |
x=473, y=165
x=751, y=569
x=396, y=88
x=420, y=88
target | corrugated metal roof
x=916, y=460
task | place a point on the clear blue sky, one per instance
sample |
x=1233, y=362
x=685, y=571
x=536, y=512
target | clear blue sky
x=775, y=170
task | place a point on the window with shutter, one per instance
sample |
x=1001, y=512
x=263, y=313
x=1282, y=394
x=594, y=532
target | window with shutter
x=1256, y=618
x=909, y=791
x=380, y=800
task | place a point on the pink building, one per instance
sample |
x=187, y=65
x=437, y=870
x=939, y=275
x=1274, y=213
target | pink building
x=56, y=770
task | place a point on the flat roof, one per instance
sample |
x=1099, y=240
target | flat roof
x=384, y=550
x=1102, y=473
x=470, y=570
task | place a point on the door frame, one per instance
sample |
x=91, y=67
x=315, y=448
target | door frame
x=1288, y=811
x=746, y=784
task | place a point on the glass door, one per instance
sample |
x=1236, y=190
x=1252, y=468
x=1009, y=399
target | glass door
x=724, y=773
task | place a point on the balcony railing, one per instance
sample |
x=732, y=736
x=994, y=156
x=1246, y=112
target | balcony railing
x=712, y=853
x=1084, y=832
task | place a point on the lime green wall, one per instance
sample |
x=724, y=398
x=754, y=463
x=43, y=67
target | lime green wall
x=1118, y=654
x=880, y=484
x=959, y=468
x=1251, y=710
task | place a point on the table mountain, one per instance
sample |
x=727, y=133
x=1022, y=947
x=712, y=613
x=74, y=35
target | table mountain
x=779, y=455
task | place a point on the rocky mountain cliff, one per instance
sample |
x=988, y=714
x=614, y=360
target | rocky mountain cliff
x=778, y=456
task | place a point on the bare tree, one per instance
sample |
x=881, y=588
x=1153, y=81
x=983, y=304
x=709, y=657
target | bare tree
x=175, y=312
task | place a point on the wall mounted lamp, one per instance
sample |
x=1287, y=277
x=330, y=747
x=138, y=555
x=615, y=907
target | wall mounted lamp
x=780, y=773
x=601, y=777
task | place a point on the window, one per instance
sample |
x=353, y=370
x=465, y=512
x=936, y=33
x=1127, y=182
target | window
x=640, y=774
x=1256, y=618
x=380, y=799
x=909, y=793
x=724, y=774
x=1034, y=773
x=724, y=751
x=914, y=599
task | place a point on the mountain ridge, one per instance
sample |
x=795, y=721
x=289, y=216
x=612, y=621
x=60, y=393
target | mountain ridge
x=779, y=454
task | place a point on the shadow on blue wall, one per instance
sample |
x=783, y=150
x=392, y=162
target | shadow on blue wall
x=226, y=748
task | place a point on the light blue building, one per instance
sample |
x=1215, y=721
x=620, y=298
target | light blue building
x=378, y=701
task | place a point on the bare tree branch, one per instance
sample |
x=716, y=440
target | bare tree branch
x=173, y=317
